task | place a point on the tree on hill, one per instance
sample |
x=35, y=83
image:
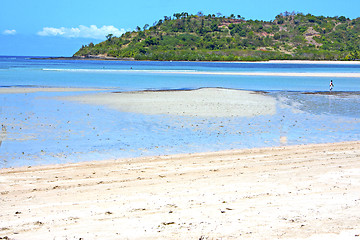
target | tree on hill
x=109, y=36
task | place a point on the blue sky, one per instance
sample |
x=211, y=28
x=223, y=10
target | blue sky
x=60, y=27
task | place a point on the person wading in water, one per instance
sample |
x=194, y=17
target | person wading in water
x=331, y=85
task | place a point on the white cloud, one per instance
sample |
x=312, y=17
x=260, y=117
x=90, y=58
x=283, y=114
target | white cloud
x=82, y=31
x=9, y=32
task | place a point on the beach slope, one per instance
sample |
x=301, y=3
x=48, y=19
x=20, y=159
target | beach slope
x=292, y=192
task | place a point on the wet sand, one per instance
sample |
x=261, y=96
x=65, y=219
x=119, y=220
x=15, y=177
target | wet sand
x=293, y=192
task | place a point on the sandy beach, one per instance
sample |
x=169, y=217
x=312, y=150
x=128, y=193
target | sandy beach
x=292, y=192
x=314, y=62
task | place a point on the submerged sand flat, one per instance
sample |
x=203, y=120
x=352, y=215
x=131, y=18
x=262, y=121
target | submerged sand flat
x=293, y=192
x=207, y=102
x=9, y=90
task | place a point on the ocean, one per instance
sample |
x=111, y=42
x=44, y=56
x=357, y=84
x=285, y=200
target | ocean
x=38, y=128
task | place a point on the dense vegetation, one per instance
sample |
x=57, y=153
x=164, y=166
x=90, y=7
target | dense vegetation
x=213, y=37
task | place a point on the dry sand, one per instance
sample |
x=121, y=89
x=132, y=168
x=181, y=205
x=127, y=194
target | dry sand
x=293, y=192
x=206, y=102
x=313, y=62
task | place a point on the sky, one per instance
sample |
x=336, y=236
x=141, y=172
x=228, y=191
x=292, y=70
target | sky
x=61, y=27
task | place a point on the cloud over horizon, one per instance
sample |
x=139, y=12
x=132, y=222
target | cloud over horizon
x=82, y=32
x=9, y=32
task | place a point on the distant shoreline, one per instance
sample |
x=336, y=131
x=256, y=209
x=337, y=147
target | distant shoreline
x=84, y=58
x=132, y=59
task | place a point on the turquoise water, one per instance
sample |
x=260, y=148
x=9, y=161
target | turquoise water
x=43, y=130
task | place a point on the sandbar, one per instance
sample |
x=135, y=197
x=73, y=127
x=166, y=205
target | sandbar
x=221, y=73
x=206, y=102
x=291, y=192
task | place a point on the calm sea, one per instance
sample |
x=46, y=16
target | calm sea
x=38, y=129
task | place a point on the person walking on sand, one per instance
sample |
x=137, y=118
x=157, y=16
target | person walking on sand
x=331, y=85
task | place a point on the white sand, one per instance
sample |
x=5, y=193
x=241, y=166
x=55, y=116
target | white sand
x=209, y=102
x=314, y=62
x=296, y=192
x=9, y=90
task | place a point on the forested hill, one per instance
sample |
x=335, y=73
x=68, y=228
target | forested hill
x=213, y=37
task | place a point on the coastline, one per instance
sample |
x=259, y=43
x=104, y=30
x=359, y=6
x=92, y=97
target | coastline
x=132, y=59
x=292, y=192
x=95, y=58
x=314, y=62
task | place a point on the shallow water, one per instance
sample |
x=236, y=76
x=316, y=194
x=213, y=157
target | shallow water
x=39, y=129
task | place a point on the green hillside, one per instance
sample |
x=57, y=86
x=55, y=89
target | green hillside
x=199, y=37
